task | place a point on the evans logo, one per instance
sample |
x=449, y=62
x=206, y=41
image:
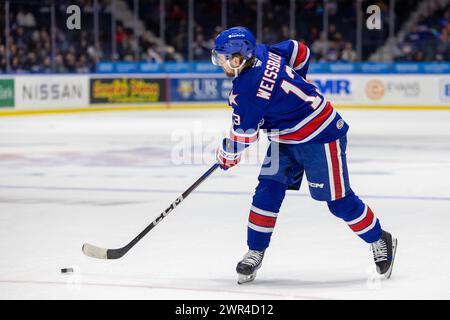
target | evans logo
x=334, y=86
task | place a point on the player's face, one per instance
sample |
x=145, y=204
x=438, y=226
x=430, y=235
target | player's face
x=221, y=61
x=227, y=70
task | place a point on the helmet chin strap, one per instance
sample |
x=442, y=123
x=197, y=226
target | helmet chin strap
x=237, y=69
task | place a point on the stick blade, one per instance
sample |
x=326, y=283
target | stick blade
x=94, y=251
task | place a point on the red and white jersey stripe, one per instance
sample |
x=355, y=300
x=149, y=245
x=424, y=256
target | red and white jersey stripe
x=335, y=170
x=262, y=220
x=363, y=223
x=300, y=55
x=308, y=128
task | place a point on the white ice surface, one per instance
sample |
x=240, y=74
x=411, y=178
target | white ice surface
x=102, y=177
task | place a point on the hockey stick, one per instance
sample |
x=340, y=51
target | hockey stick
x=101, y=253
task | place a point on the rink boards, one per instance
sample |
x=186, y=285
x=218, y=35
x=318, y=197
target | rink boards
x=29, y=94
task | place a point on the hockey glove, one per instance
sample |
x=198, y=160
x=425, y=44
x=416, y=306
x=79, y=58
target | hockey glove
x=227, y=155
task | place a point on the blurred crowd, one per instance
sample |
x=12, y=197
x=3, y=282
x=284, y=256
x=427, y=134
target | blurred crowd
x=429, y=40
x=30, y=40
x=331, y=46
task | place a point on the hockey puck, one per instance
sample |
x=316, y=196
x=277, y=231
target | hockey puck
x=66, y=270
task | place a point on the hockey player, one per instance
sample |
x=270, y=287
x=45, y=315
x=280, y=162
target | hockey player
x=307, y=135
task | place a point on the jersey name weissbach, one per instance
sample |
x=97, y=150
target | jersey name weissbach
x=270, y=76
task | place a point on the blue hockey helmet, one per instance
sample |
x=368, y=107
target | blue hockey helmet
x=234, y=40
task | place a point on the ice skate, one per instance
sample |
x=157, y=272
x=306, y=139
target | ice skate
x=384, y=253
x=248, y=266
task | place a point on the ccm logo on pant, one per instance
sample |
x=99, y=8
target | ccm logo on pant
x=316, y=185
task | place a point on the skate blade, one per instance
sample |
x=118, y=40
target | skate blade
x=246, y=278
x=388, y=273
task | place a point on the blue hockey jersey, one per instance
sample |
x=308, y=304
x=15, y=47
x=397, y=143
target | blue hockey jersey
x=275, y=96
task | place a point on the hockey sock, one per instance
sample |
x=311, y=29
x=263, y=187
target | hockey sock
x=358, y=216
x=267, y=200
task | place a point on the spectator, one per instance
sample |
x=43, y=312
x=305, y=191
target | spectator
x=25, y=19
x=31, y=63
x=439, y=58
x=120, y=36
x=20, y=38
x=82, y=65
x=70, y=62
x=285, y=33
x=2, y=58
x=314, y=34
x=443, y=47
x=59, y=64
x=348, y=54
x=320, y=47
x=152, y=54
x=177, y=13
x=171, y=55
x=200, y=48
x=128, y=49
x=418, y=56
x=47, y=65
x=332, y=53
x=339, y=41
x=16, y=65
